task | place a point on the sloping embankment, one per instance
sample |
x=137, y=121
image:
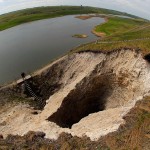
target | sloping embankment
x=97, y=90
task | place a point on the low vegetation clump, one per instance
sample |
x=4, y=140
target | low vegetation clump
x=80, y=36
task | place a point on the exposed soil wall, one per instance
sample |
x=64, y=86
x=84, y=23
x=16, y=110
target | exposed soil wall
x=89, y=97
x=93, y=92
x=133, y=135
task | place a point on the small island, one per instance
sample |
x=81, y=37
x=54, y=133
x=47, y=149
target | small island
x=80, y=36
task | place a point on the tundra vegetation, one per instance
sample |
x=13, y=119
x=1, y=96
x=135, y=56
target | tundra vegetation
x=121, y=32
x=28, y=15
x=118, y=32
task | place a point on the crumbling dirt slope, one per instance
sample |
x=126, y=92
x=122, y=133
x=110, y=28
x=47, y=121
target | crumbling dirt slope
x=96, y=91
x=134, y=134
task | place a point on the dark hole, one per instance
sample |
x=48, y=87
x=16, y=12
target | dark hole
x=84, y=100
x=35, y=113
x=147, y=57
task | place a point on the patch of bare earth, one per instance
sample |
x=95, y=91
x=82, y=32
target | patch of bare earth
x=134, y=134
x=85, y=17
x=97, y=91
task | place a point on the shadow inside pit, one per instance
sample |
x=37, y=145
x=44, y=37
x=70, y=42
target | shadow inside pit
x=147, y=57
x=88, y=97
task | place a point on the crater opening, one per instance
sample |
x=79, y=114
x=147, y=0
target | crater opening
x=147, y=57
x=89, y=97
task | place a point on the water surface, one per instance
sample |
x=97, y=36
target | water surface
x=28, y=47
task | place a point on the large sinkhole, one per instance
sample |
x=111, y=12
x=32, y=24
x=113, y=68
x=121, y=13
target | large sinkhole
x=88, y=97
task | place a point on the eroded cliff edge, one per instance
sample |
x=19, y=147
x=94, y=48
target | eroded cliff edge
x=93, y=93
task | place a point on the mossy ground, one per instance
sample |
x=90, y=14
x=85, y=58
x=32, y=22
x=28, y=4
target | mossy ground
x=23, y=16
x=116, y=25
x=122, y=30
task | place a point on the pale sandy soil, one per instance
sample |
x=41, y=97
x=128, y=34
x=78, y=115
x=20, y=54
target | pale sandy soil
x=131, y=81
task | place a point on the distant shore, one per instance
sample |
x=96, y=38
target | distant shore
x=85, y=17
x=32, y=14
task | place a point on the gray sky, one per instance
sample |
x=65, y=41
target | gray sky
x=136, y=7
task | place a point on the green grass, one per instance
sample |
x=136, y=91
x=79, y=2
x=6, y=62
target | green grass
x=28, y=15
x=143, y=45
x=120, y=29
x=141, y=31
x=115, y=29
x=80, y=36
x=117, y=25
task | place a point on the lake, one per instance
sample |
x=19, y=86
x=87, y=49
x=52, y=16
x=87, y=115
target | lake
x=28, y=47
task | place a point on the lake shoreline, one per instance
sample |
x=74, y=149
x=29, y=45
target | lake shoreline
x=85, y=17
x=60, y=49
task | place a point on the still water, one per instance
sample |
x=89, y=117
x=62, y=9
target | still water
x=28, y=47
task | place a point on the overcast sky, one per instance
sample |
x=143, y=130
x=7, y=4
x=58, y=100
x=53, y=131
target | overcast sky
x=137, y=7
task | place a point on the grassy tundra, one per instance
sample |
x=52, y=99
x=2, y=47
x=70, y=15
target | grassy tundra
x=116, y=28
x=132, y=135
x=121, y=29
x=28, y=15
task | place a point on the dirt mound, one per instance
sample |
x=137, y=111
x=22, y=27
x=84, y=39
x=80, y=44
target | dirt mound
x=97, y=90
x=133, y=135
